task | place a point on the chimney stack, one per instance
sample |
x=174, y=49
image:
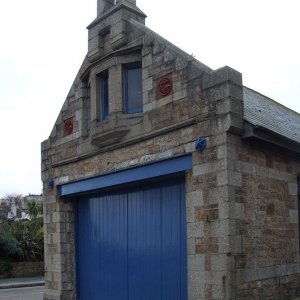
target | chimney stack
x=130, y=1
x=103, y=5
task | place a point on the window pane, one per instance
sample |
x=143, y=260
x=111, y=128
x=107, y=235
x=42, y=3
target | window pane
x=133, y=90
x=103, y=96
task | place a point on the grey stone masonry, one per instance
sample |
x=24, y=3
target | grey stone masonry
x=110, y=30
x=103, y=5
x=241, y=194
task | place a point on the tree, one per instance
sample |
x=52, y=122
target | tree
x=9, y=245
x=22, y=240
x=14, y=203
x=13, y=199
x=33, y=208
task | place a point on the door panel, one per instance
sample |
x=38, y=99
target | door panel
x=144, y=244
x=171, y=248
x=102, y=247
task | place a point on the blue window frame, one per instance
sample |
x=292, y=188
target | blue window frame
x=132, y=88
x=103, y=95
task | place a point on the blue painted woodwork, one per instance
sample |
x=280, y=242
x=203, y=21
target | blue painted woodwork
x=148, y=171
x=133, y=88
x=103, y=95
x=131, y=243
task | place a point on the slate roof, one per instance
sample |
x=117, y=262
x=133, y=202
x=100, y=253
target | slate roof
x=262, y=111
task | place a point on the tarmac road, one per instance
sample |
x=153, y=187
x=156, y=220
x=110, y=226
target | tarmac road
x=28, y=293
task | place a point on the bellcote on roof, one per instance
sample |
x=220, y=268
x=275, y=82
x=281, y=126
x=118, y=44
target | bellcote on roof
x=112, y=18
x=105, y=8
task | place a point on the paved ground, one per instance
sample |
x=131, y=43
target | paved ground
x=28, y=293
x=21, y=282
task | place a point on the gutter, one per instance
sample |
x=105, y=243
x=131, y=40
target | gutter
x=267, y=135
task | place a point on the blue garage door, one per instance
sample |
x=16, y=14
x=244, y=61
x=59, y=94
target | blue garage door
x=131, y=243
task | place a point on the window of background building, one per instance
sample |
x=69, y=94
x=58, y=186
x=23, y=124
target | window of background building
x=132, y=88
x=103, y=95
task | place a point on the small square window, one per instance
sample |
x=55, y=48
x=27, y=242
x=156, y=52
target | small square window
x=132, y=88
x=103, y=95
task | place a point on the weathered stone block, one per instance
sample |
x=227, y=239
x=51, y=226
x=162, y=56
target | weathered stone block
x=225, y=74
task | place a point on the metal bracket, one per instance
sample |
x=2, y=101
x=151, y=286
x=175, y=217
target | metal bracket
x=51, y=183
x=201, y=144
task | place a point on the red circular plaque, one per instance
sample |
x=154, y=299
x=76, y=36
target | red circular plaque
x=164, y=86
x=68, y=126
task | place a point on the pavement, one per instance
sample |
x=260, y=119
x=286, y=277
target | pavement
x=25, y=284
x=11, y=283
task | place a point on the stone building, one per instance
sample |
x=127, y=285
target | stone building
x=4, y=209
x=165, y=179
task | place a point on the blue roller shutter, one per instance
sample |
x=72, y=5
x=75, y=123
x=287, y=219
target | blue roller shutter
x=131, y=243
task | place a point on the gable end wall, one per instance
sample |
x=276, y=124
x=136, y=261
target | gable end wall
x=224, y=189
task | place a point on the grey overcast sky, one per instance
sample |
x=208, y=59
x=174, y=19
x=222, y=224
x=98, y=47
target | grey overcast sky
x=44, y=42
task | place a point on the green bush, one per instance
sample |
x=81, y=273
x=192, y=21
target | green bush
x=5, y=265
x=22, y=240
x=9, y=246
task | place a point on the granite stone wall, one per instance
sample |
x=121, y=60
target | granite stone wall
x=241, y=202
x=267, y=266
x=207, y=223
